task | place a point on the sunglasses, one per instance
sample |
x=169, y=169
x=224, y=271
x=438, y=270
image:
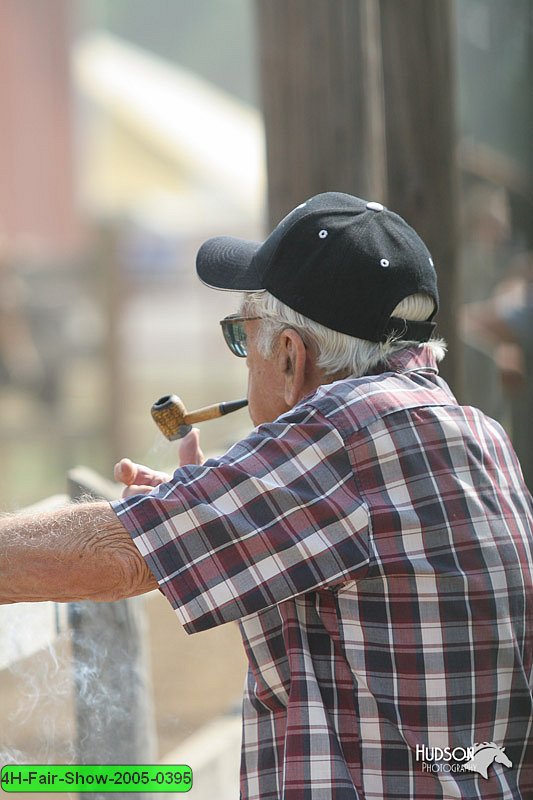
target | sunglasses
x=235, y=333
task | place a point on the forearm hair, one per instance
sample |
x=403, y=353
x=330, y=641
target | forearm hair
x=78, y=552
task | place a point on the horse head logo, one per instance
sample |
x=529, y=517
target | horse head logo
x=484, y=755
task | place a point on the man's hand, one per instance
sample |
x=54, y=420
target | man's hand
x=141, y=480
x=81, y=551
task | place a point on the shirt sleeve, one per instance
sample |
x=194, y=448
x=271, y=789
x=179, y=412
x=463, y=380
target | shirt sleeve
x=277, y=516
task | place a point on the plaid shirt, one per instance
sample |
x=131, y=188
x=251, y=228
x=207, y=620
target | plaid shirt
x=375, y=544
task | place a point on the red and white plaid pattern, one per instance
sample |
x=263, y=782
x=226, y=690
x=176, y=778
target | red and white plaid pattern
x=375, y=544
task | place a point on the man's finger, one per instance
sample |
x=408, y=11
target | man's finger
x=189, y=449
x=128, y=491
x=124, y=471
x=128, y=472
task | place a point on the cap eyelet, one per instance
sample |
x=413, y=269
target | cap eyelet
x=384, y=262
x=323, y=234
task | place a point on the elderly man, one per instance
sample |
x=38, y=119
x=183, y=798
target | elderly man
x=372, y=537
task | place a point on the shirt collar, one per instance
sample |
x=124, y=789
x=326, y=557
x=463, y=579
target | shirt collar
x=409, y=359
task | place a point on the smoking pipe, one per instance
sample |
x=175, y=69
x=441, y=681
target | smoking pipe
x=175, y=422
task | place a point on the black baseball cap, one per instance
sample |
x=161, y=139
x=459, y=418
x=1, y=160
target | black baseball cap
x=338, y=260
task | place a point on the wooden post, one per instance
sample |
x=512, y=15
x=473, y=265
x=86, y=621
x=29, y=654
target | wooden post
x=115, y=723
x=358, y=96
x=112, y=291
x=418, y=69
x=322, y=99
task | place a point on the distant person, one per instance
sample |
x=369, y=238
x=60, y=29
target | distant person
x=484, y=254
x=503, y=326
x=372, y=537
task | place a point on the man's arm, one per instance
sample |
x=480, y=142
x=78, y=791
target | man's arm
x=80, y=552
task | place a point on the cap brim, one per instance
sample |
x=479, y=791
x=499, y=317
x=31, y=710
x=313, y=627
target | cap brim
x=227, y=263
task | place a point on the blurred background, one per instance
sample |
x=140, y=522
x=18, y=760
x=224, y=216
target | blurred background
x=132, y=131
x=129, y=135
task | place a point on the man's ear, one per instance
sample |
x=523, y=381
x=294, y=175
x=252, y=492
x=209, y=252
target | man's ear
x=292, y=355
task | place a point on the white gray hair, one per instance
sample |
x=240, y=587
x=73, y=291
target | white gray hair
x=336, y=353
